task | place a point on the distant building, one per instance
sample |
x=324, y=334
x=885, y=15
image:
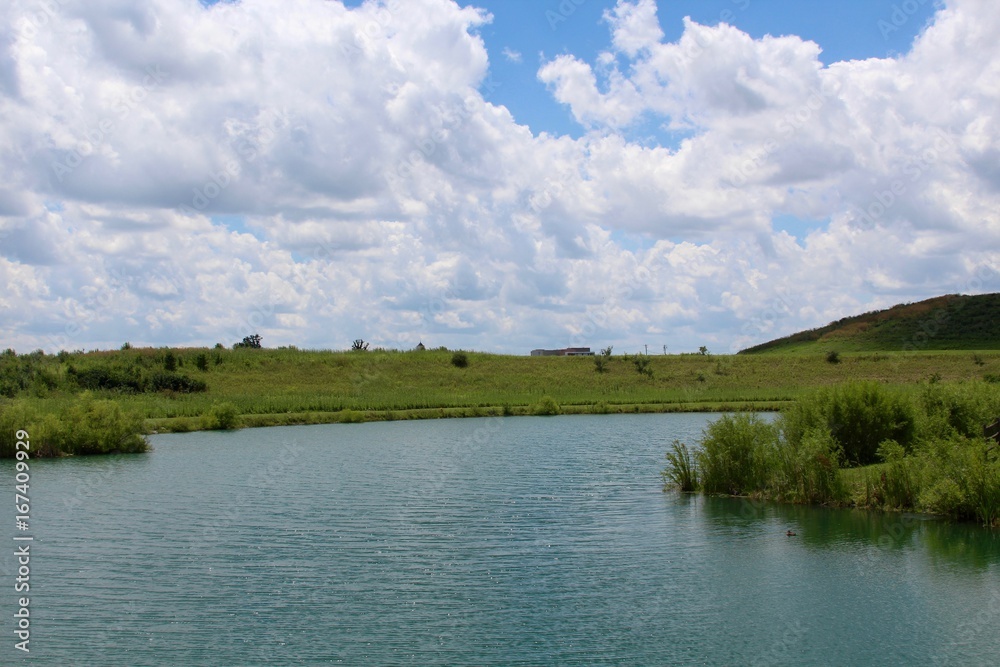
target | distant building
x=565, y=352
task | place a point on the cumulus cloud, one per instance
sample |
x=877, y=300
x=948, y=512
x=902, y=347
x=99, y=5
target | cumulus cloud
x=184, y=174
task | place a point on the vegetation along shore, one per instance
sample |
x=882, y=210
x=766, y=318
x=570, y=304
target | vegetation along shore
x=859, y=425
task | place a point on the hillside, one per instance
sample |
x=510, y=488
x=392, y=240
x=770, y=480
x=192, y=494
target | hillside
x=950, y=322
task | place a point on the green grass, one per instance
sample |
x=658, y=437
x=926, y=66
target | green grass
x=861, y=444
x=951, y=322
x=286, y=386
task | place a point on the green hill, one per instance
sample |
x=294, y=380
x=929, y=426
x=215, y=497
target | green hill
x=950, y=322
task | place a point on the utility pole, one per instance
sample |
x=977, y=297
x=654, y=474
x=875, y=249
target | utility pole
x=664, y=350
x=647, y=349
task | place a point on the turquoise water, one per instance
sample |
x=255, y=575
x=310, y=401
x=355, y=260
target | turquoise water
x=517, y=541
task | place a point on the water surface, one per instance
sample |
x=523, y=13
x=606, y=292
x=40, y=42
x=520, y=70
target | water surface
x=481, y=541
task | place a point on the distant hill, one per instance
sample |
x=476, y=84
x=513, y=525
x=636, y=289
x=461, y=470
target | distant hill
x=950, y=322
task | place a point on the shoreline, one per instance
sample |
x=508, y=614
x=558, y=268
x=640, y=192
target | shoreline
x=157, y=426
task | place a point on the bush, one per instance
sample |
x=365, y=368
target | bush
x=351, y=417
x=961, y=477
x=957, y=410
x=108, y=378
x=86, y=426
x=102, y=427
x=182, y=384
x=833, y=357
x=859, y=416
x=545, y=407
x=222, y=417
x=809, y=472
x=736, y=455
x=898, y=481
x=459, y=360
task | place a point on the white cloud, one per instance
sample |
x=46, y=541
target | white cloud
x=383, y=197
x=511, y=55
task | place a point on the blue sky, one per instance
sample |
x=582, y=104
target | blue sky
x=538, y=30
x=574, y=172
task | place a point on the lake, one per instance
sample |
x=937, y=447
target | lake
x=515, y=541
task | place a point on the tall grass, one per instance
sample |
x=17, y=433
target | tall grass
x=943, y=464
x=736, y=455
x=681, y=472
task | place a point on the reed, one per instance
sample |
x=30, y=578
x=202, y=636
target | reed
x=681, y=472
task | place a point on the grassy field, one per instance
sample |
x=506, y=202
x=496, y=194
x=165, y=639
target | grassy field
x=951, y=322
x=268, y=387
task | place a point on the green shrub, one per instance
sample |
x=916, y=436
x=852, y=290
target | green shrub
x=15, y=416
x=958, y=410
x=460, y=360
x=833, y=357
x=681, y=472
x=809, y=471
x=182, y=384
x=961, y=477
x=101, y=427
x=736, y=455
x=546, y=406
x=898, y=483
x=351, y=417
x=86, y=426
x=222, y=417
x=859, y=416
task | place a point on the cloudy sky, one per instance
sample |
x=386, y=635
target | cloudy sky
x=496, y=175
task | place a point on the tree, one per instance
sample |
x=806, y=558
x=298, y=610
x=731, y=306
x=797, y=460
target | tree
x=601, y=361
x=359, y=345
x=642, y=365
x=703, y=350
x=170, y=361
x=252, y=341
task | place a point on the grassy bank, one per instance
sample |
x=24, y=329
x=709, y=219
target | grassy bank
x=194, y=389
x=862, y=444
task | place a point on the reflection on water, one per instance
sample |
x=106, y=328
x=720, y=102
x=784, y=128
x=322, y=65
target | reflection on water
x=943, y=542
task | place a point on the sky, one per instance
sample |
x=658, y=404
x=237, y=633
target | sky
x=499, y=175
